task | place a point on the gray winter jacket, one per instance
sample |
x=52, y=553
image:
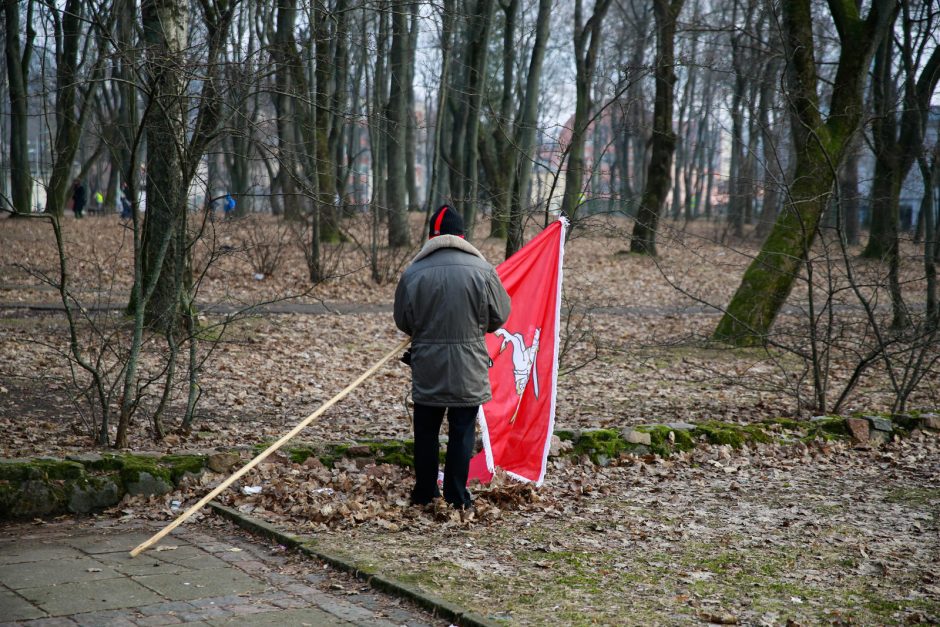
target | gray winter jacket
x=447, y=300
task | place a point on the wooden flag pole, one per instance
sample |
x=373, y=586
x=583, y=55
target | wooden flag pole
x=257, y=460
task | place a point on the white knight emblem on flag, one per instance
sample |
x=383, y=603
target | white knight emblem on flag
x=523, y=359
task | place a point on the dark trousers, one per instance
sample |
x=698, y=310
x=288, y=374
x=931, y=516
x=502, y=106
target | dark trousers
x=460, y=441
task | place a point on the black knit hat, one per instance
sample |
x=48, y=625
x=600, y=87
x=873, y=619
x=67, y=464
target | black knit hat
x=446, y=221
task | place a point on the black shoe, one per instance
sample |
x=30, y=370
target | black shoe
x=423, y=500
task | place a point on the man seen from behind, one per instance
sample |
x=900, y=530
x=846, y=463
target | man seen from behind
x=447, y=300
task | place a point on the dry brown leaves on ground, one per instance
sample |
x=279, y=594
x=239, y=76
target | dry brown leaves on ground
x=760, y=536
x=764, y=535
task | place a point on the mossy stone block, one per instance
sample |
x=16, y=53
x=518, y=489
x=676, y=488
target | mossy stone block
x=105, y=463
x=180, y=465
x=299, y=454
x=14, y=471
x=834, y=425
x=31, y=498
x=721, y=433
x=223, y=462
x=143, y=475
x=662, y=444
x=147, y=484
x=600, y=444
x=786, y=423
x=396, y=452
x=94, y=493
x=907, y=421
x=879, y=423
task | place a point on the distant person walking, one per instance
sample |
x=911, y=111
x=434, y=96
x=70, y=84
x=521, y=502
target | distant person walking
x=79, y=198
x=228, y=205
x=126, y=207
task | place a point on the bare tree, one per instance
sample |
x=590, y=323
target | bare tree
x=587, y=42
x=18, y=56
x=73, y=97
x=819, y=144
x=398, y=234
x=666, y=12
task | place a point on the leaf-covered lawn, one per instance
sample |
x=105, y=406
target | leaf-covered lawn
x=809, y=534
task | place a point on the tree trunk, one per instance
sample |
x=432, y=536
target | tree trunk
x=928, y=212
x=377, y=134
x=587, y=42
x=68, y=31
x=683, y=152
x=325, y=209
x=336, y=142
x=239, y=74
x=849, y=193
x=770, y=142
x=411, y=128
x=818, y=148
x=165, y=24
x=899, y=144
x=666, y=13
x=500, y=163
x=477, y=48
x=127, y=118
x=524, y=137
x=396, y=135
x=18, y=61
x=283, y=53
x=883, y=237
x=440, y=114
x=737, y=184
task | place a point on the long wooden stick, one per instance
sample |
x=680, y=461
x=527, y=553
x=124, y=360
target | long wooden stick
x=257, y=460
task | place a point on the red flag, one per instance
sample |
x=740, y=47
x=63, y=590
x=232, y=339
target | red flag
x=517, y=424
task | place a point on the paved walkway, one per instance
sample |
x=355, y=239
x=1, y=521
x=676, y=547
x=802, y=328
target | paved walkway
x=78, y=572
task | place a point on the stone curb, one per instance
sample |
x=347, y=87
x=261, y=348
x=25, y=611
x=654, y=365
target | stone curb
x=377, y=580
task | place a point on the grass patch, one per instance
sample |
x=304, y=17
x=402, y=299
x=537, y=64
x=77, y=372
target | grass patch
x=914, y=496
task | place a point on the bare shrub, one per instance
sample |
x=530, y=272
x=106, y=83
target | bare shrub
x=264, y=240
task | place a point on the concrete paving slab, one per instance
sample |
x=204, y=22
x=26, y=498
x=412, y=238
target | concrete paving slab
x=286, y=618
x=14, y=607
x=90, y=596
x=345, y=610
x=203, y=583
x=170, y=607
x=53, y=572
x=144, y=564
x=112, y=618
x=190, y=557
x=36, y=551
x=57, y=621
x=114, y=543
x=203, y=614
x=159, y=619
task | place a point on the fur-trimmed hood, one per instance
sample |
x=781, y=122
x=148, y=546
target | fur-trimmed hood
x=447, y=241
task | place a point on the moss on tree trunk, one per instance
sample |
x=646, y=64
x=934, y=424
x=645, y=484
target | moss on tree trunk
x=770, y=277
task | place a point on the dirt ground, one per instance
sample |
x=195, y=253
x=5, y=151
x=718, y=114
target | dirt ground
x=803, y=533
